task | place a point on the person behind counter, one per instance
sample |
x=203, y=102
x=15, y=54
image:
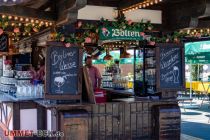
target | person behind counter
x=94, y=73
x=38, y=75
x=116, y=68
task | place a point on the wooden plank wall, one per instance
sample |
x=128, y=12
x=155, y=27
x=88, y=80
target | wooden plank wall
x=121, y=121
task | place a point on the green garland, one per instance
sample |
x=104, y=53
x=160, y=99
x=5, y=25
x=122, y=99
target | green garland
x=120, y=23
x=24, y=30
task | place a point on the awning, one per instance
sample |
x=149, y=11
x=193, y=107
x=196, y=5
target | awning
x=197, y=52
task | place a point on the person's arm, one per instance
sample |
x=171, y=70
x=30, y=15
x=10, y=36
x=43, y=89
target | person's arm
x=98, y=76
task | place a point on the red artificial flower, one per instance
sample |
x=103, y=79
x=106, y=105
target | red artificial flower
x=88, y=40
x=130, y=22
x=68, y=45
x=142, y=34
x=79, y=24
x=152, y=43
x=104, y=29
x=1, y=31
x=16, y=30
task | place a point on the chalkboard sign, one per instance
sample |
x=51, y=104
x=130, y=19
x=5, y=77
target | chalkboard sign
x=171, y=66
x=4, y=43
x=62, y=70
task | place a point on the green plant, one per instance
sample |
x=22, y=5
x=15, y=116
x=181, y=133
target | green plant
x=196, y=71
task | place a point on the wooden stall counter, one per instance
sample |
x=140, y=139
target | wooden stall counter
x=128, y=119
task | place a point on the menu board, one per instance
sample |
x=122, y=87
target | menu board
x=4, y=43
x=62, y=70
x=171, y=67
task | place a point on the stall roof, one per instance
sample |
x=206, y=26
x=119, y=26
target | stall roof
x=197, y=52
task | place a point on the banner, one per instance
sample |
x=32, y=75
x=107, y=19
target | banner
x=109, y=33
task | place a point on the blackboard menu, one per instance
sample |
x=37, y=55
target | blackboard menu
x=4, y=43
x=62, y=70
x=170, y=60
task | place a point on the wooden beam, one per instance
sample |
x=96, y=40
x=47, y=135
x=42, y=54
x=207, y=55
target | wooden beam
x=68, y=10
x=184, y=15
x=27, y=12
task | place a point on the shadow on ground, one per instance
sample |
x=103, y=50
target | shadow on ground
x=198, y=130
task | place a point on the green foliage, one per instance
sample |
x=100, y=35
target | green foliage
x=194, y=72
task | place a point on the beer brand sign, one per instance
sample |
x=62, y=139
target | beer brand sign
x=109, y=33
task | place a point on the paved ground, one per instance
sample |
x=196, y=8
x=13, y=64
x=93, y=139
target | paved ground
x=195, y=121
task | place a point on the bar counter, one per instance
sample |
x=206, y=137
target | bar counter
x=123, y=118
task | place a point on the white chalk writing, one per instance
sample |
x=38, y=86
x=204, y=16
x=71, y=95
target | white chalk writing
x=168, y=53
x=63, y=59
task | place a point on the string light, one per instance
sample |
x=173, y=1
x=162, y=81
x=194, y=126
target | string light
x=23, y=21
x=144, y=4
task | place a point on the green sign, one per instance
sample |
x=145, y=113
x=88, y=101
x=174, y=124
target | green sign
x=109, y=33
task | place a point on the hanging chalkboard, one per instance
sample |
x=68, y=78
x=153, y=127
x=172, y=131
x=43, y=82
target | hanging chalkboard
x=62, y=70
x=4, y=43
x=170, y=59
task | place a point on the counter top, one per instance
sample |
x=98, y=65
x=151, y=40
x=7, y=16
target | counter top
x=54, y=104
x=5, y=98
x=128, y=92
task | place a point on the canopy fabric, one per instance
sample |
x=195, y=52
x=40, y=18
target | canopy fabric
x=197, y=52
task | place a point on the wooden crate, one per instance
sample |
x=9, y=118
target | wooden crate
x=74, y=124
x=167, y=122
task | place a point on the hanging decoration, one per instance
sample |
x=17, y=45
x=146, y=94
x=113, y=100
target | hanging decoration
x=1, y=31
x=18, y=27
x=92, y=31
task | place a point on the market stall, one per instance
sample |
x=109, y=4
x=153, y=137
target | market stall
x=44, y=85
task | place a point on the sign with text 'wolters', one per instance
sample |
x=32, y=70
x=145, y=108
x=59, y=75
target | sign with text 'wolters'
x=62, y=69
